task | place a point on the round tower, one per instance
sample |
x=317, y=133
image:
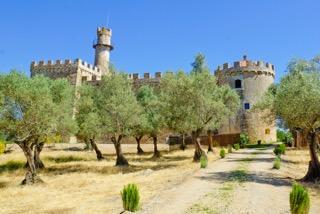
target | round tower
x=102, y=48
x=250, y=79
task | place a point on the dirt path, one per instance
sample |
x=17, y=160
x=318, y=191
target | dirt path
x=243, y=182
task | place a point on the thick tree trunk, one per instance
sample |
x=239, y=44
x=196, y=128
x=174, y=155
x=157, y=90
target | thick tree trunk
x=183, y=142
x=139, y=149
x=121, y=160
x=87, y=145
x=37, y=161
x=198, y=152
x=31, y=174
x=313, y=173
x=156, y=153
x=96, y=149
x=209, y=135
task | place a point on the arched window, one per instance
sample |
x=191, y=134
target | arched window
x=238, y=84
x=267, y=131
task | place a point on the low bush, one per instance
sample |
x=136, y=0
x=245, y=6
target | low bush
x=280, y=149
x=222, y=153
x=244, y=140
x=236, y=146
x=299, y=200
x=130, y=197
x=229, y=149
x=203, y=161
x=277, y=163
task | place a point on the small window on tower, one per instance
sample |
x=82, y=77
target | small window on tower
x=247, y=106
x=267, y=131
x=238, y=84
x=84, y=79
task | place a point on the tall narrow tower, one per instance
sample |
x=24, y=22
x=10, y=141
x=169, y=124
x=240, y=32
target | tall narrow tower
x=102, y=48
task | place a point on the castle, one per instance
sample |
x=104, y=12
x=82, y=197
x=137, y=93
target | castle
x=249, y=78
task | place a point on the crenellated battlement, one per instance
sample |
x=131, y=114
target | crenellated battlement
x=51, y=64
x=245, y=65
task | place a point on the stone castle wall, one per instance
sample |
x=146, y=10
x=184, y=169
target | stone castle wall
x=76, y=71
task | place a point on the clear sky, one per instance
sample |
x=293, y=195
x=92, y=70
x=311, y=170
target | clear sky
x=151, y=36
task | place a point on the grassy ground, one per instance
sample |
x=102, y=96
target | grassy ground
x=76, y=182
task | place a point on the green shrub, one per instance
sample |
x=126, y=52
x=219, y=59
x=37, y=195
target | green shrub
x=299, y=200
x=222, y=153
x=203, y=161
x=284, y=137
x=277, y=163
x=2, y=147
x=244, y=140
x=236, y=146
x=130, y=197
x=229, y=149
x=280, y=149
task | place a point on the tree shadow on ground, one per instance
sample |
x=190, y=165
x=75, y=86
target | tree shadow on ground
x=12, y=165
x=107, y=170
x=250, y=152
x=251, y=159
x=262, y=178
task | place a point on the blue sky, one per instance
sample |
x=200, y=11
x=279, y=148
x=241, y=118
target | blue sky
x=151, y=36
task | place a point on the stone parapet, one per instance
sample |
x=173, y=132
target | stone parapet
x=61, y=66
x=245, y=65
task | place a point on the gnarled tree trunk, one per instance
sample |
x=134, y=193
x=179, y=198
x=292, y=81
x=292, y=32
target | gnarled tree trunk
x=209, y=135
x=198, y=152
x=121, y=160
x=156, y=153
x=31, y=174
x=139, y=149
x=37, y=150
x=314, y=164
x=96, y=149
x=183, y=142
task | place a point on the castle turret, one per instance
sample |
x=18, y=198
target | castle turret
x=251, y=79
x=102, y=48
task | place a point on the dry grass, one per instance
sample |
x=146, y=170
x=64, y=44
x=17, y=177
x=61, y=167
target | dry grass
x=76, y=183
x=295, y=166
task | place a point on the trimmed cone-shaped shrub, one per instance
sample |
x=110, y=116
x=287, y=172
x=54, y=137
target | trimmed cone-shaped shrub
x=236, y=146
x=130, y=197
x=203, y=161
x=277, y=163
x=229, y=149
x=299, y=200
x=222, y=153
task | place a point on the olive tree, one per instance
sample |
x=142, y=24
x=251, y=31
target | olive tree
x=152, y=121
x=176, y=103
x=296, y=101
x=28, y=112
x=87, y=117
x=118, y=109
x=211, y=104
x=63, y=99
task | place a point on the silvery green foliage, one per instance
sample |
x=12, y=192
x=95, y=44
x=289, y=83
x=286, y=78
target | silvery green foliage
x=117, y=105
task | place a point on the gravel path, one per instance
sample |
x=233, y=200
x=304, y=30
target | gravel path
x=243, y=182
